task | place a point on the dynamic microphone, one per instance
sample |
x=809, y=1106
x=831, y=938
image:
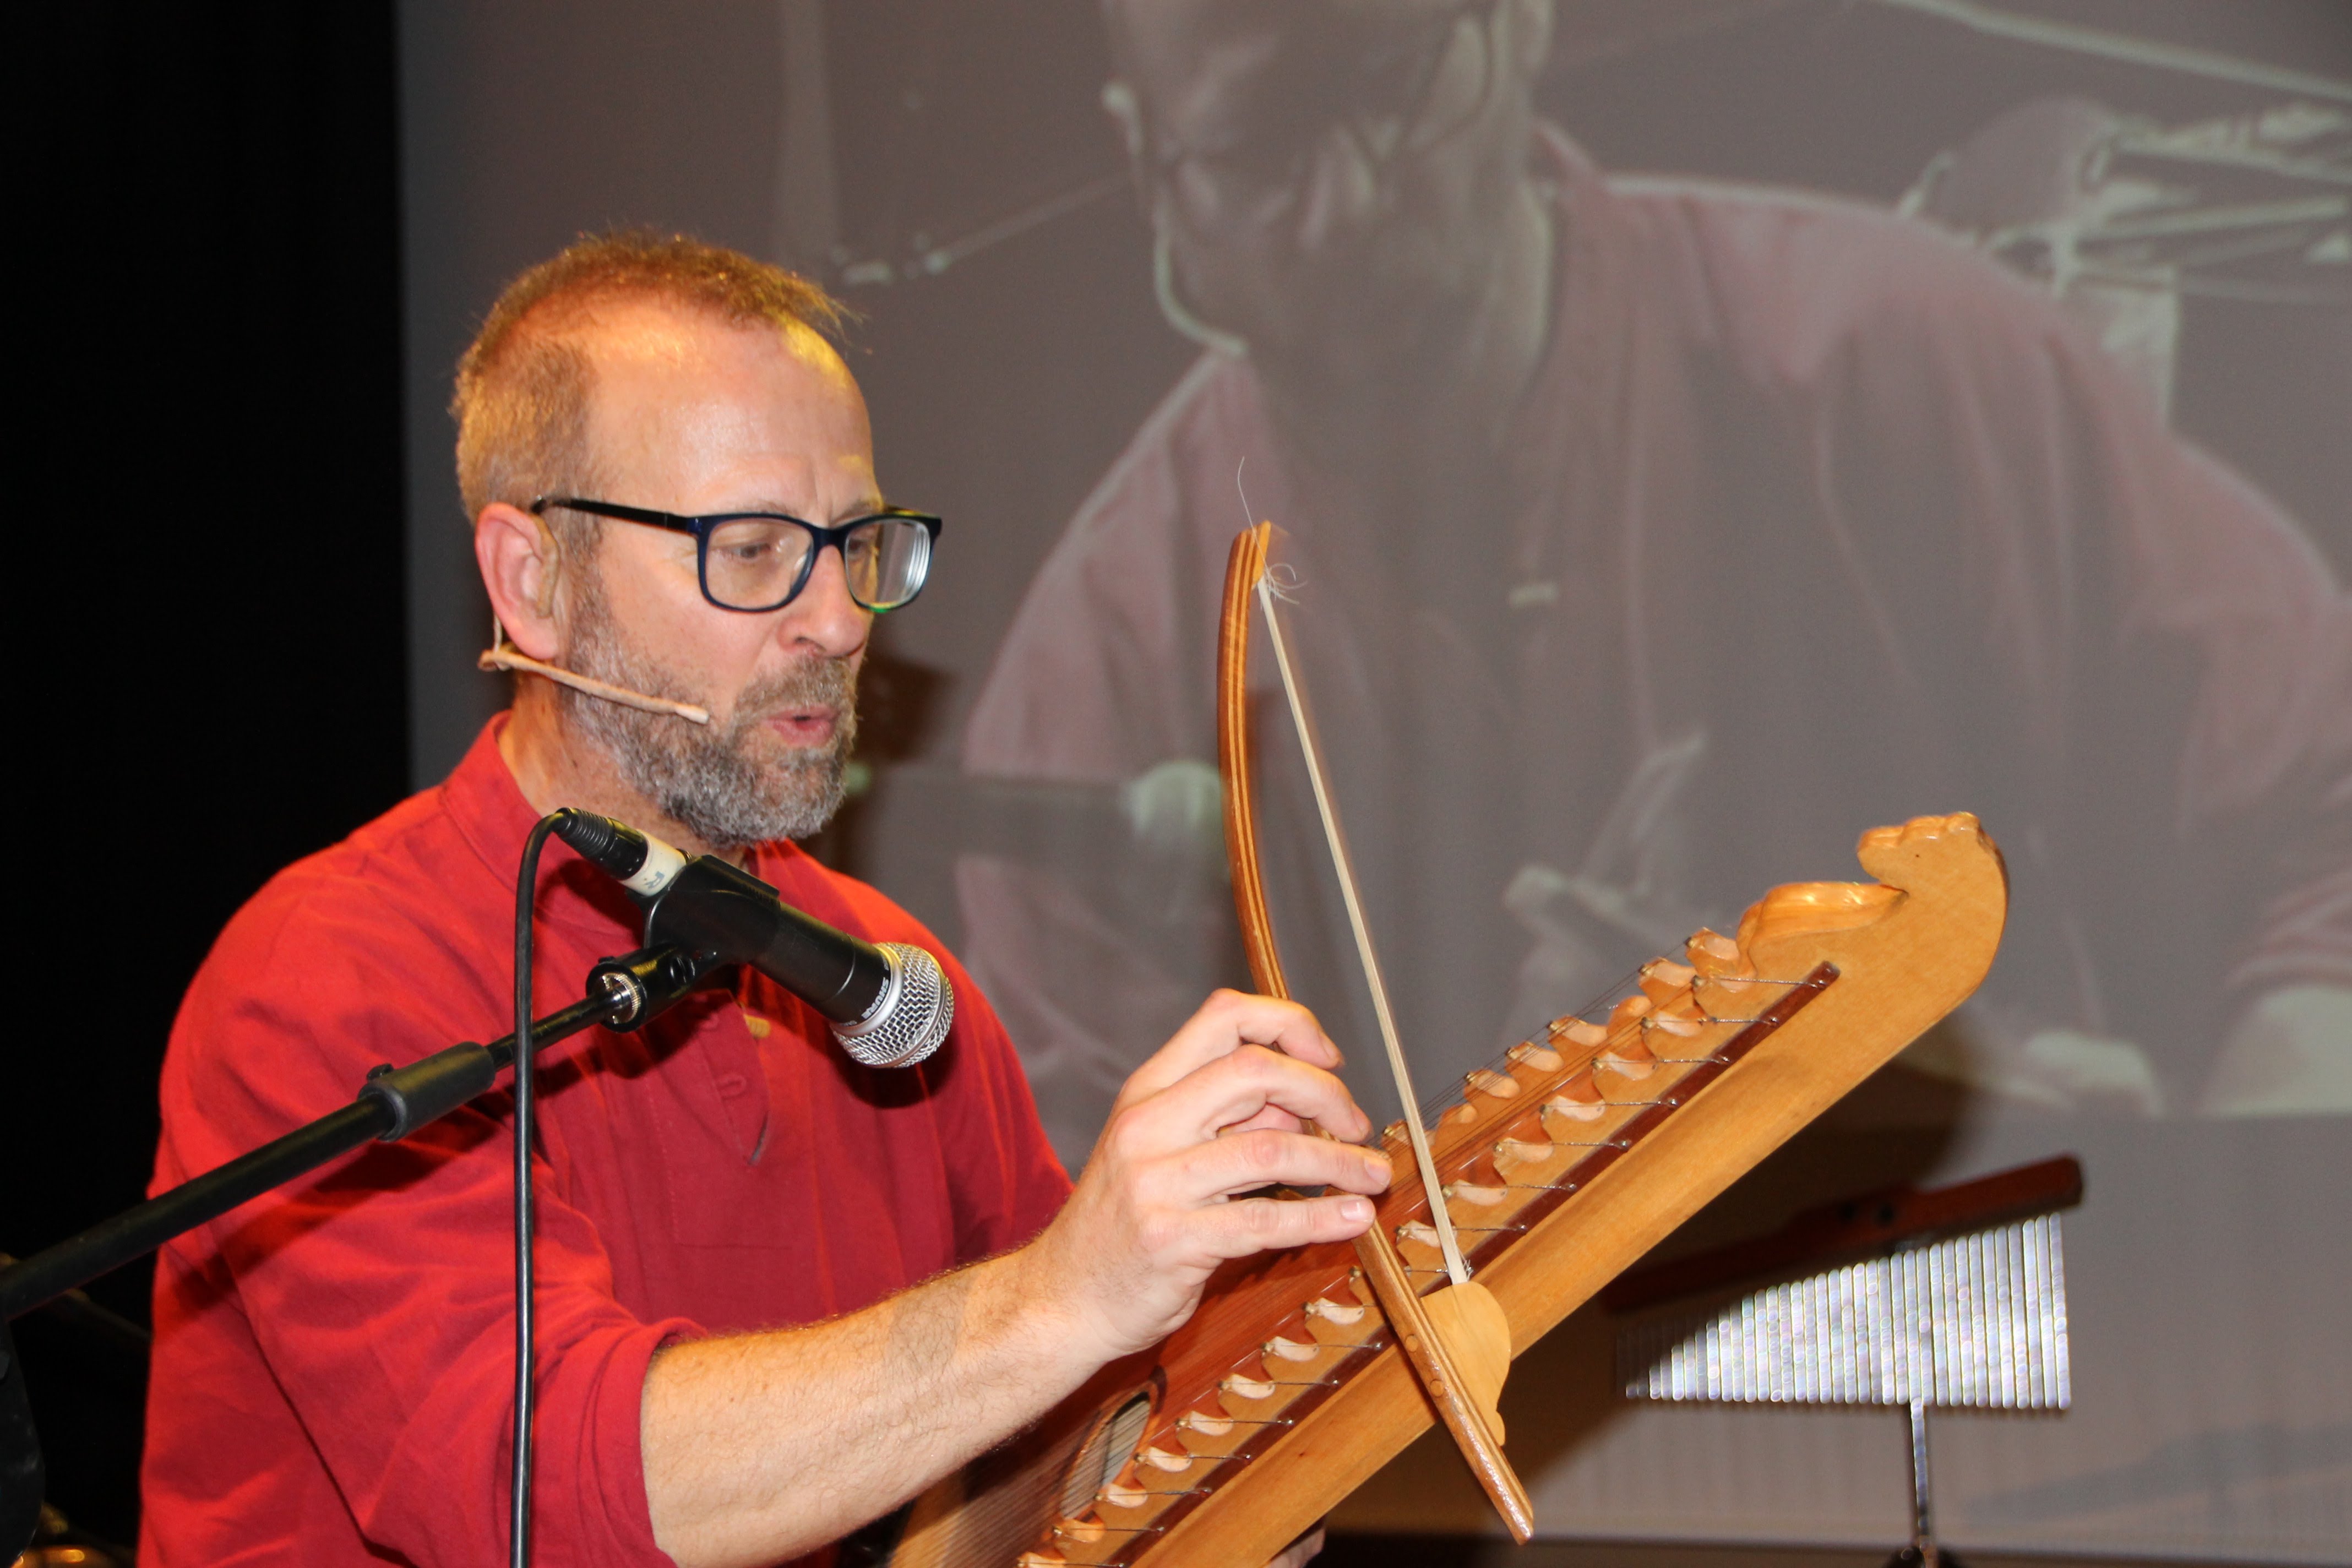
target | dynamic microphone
x=890, y=1003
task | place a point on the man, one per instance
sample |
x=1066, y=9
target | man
x=1654, y=538
x=331, y=1361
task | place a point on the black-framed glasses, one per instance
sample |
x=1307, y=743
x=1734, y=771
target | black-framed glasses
x=759, y=561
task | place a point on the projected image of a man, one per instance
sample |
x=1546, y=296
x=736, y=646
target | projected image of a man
x=1350, y=201
x=1666, y=532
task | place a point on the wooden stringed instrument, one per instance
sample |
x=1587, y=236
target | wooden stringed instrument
x=1562, y=1165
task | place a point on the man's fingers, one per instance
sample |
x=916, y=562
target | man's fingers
x=1273, y=1116
x=1245, y=1162
x=1238, y=1087
x=1227, y=1021
x=1267, y=1225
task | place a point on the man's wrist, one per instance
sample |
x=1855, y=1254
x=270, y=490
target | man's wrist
x=1058, y=1324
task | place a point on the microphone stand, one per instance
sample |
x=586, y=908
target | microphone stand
x=621, y=994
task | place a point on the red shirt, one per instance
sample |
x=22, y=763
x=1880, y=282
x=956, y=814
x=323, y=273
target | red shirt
x=333, y=1362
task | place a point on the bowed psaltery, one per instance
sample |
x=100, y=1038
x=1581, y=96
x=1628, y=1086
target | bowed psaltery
x=1304, y=1372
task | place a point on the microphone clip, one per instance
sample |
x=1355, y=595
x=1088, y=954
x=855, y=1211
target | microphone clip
x=723, y=915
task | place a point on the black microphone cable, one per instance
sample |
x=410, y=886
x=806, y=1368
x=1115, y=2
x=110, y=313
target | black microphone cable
x=526, y=904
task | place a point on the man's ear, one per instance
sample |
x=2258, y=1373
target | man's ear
x=522, y=568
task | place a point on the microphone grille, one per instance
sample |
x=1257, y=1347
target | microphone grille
x=911, y=1018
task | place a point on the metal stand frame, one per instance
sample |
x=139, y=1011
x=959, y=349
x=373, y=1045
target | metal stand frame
x=1923, y=1552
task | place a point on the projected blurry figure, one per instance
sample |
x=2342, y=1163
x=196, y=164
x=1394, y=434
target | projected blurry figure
x=1664, y=534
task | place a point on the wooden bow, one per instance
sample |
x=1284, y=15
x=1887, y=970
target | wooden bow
x=1458, y=1340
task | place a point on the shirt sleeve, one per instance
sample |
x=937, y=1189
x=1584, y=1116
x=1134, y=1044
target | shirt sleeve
x=379, y=1291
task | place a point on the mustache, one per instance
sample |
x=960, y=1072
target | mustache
x=814, y=682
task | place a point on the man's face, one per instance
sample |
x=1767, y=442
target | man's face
x=692, y=416
x=1329, y=171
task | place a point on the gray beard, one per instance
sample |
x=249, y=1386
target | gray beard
x=732, y=784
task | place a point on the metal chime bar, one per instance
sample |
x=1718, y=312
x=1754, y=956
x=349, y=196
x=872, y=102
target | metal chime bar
x=1974, y=1322
x=1959, y=1302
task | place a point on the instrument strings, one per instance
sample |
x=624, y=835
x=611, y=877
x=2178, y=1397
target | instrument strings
x=1642, y=1031
x=1640, y=1045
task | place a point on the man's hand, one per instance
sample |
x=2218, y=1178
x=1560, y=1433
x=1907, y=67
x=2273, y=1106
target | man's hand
x=762, y=1446
x=1217, y=1113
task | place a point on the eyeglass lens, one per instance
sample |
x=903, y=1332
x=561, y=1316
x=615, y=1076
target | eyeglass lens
x=754, y=564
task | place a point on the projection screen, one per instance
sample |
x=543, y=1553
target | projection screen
x=1721, y=426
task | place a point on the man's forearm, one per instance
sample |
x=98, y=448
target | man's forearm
x=762, y=1446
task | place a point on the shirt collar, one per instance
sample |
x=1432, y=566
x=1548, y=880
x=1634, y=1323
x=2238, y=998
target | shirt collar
x=490, y=812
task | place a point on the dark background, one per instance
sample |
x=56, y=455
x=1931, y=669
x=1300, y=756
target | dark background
x=209, y=479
